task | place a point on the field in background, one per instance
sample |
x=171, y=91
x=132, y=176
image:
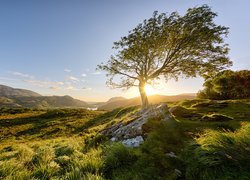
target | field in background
x=205, y=140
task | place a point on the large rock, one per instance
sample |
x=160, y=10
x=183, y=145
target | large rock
x=133, y=142
x=131, y=134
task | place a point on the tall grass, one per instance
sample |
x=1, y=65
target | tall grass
x=220, y=155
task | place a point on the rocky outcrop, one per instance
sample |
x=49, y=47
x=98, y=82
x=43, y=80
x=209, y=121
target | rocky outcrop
x=131, y=134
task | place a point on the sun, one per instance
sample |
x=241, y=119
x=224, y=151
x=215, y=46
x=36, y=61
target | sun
x=149, y=90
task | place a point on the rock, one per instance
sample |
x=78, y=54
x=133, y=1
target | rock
x=131, y=134
x=172, y=109
x=113, y=139
x=171, y=154
x=133, y=142
x=178, y=172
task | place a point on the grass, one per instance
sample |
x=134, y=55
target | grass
x=204, y=140
x=217, y=155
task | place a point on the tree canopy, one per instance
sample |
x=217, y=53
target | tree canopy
x=168, y=46
x=227, y=85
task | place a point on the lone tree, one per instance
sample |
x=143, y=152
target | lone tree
x=168, y=46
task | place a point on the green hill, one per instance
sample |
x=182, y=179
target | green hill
x=12, y=98
x=204, y=140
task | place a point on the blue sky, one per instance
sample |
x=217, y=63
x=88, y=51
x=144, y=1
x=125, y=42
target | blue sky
x=53, y=46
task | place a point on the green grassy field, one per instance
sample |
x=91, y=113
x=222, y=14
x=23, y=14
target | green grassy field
x=210, y=140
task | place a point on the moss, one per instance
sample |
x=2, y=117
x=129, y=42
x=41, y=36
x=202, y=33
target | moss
x=216, y=117
x=181, y=112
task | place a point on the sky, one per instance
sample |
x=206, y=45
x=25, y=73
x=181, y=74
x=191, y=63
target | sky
x=53, y=46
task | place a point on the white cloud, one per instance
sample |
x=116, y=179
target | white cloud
x=55, y=88
x=96, y=73
x=86, y=88
x=84, y=75
x=70, y=88
x=67, y=70
x=42, y=83
x=72, y=78
x=21, y=74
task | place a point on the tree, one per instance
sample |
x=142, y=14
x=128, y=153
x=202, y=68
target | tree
x=227, y=85
x=168, y=46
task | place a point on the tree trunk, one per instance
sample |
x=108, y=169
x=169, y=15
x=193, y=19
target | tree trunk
x=144, y=98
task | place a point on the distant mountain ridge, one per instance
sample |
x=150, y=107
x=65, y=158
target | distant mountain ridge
x=12, y=97
x=6, y=91
x=154, y=99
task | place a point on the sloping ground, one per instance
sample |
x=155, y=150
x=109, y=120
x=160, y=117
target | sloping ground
x=67, y=144
x=42, y=102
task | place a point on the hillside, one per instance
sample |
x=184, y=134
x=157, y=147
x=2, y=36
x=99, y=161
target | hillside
x=154, y=99
x=13, y=98
x=6, y=91
x=203, y=140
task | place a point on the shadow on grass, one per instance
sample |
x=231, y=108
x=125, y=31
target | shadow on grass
x=52, y=122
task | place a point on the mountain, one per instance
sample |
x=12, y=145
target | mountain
x=113, y=99
x=11, y=97
x=6, y=91
x=110, y=105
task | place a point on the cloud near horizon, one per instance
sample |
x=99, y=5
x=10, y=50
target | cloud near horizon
x=15, y=73
x=72, y=83
x=74, y=79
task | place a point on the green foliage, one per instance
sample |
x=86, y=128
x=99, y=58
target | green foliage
x=170, y=46
x=227, y=85
x=184, y=147
x=94, y=141
x=77, y=174
x=5, y=110
x=64, y=150
x=220, y=155
x=52, y=113
x=117, y=158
